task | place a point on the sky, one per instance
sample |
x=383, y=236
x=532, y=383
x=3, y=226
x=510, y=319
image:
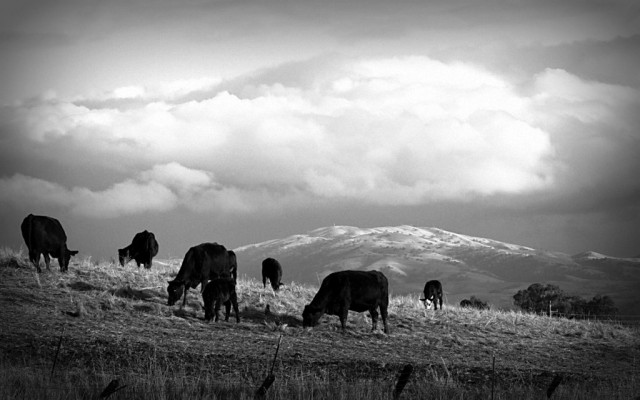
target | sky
x=244, y=121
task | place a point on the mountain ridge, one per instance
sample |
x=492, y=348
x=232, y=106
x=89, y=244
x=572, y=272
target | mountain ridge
x=409, y=256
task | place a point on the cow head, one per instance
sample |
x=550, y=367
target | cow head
x=310, y=316
x=65, y=257
x=123, y=256
x=175, y=290
x=427, y=302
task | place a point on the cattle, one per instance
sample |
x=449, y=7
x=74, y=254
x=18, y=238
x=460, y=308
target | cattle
x=217, y=292
x=342, y=291
x=465, y=303
x=474, y=302
x=143, y=248
x=201, y=263
x=272, y=270
x=432, y=294
x=45, y=235
x=233, y=265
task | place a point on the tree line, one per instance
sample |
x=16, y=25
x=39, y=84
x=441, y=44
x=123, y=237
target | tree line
x=540, y=298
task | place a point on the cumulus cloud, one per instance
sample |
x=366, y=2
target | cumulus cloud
x=122, y=198
x=162, y=188
x=386, y=131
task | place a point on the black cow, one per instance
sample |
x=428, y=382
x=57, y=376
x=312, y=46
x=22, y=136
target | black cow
x=432, y=294
x=44, y=235
x=465, y=303
x=201, y=263
x=233, y=265
x=350, y=290
x=474, y=302
x=272, y=270
x=217, y=292
x=143, y=248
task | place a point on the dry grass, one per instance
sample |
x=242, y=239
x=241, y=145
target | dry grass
x=116, y=323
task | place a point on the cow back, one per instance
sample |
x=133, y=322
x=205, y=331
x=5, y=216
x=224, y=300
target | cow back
x=43, y=234
x=432, y=289
x=359, y=289
x=144, y=243
x=272, y=270
x=216, y=261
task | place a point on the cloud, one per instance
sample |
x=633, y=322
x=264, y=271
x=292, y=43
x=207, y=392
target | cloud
x=123, y=198
x=162, y=188
x=386, y=131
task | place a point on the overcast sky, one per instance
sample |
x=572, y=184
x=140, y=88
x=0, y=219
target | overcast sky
x=243, y=121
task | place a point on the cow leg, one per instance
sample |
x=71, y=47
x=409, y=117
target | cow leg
x=344, y=312
x=47, y=261
x=374, y=318
x=264, y=282
x=184, y=299
x=234, y=302
x=227, y=310
x=217, y=310
x=383, y=313
x=440, y=303
x=35, y=259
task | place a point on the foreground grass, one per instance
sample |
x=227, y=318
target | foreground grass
x=115, y=324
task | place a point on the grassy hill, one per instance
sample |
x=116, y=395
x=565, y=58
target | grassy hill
x=112, y=322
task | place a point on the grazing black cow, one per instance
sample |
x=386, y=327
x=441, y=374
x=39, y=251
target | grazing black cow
x=217, y=292
x=143, y=248
x=201, y=263
x=474, y=302
x=272, y=270
x=44, y=235
x=233, y=265
x=465, y=303
x=432, y=294
x=350, y=290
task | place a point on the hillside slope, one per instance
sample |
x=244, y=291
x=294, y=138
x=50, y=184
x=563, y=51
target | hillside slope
x=115, y=321
x=409, y=256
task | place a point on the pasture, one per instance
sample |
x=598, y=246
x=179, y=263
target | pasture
x=101, y=321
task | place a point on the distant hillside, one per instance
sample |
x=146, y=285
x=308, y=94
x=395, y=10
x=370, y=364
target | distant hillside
x=409, y=256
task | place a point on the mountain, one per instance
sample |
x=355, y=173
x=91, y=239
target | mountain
x=409, y=256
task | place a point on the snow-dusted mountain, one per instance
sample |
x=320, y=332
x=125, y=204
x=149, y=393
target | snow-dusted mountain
x=409, y=256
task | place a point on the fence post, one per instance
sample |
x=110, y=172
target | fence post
x=403, y=378
x=554, y=385
x=493, y=376
x=55, y=359
x=268, y=381
x=111, y=388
